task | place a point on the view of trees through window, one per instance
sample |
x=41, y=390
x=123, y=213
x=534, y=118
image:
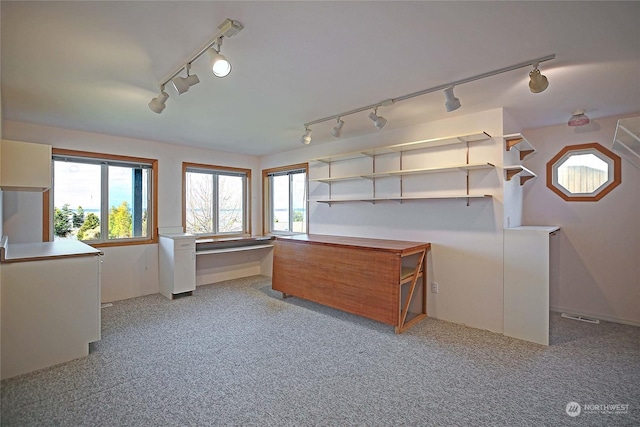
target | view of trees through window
x=288, y=201
x=83, y=211
x=215, y=201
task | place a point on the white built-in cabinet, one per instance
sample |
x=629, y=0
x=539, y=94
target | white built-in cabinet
x=177, y=262
x=50, y=304
x=527, y=277
x=375, y=172
x=25, y=166
x=527, y=261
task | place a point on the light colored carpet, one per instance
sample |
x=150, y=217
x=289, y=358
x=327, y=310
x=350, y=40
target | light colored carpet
x=235, y=353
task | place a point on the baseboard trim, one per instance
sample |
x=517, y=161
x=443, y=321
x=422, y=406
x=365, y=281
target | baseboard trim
x=595, y=316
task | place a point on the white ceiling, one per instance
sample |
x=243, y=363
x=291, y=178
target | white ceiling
x=94, y=66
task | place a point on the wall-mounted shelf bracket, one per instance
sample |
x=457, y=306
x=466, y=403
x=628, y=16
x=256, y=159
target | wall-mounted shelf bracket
x=520, y=143
x=519, y=170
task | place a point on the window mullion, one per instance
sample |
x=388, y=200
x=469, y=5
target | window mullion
x=51, y=237
x=104, y=202
x=290, y=203
x=245, y=204
x=271, y=205
x=215, y=203
x=150, y=189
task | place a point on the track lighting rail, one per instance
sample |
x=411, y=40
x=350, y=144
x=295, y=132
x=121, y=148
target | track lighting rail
x=532, y=62
x=227, y=29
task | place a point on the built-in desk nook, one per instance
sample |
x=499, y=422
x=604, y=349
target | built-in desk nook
x=225, y=258
x=383, y=280
x=232, y=244
x=186, y=261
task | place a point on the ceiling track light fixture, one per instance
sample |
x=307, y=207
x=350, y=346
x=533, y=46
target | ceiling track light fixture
x=578, y=118
x=157, y=104
x=220, y=66
x=378, y=121
x=452, y=103
x=306, y=138
x=182, y=84
x=537, y=84
x=337, y=130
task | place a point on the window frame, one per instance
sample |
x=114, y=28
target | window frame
x=614, y=174
x=267, y=214
x=222, y=169
x=112, y=159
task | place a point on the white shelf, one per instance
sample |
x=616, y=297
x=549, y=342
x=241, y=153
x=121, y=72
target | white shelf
x=348, y=178
x=402, y=198
x=399, y=148
x=407, y=146
x=520, y=143
x=626, y=141
x=519, y=170
x=234, y=249
x=460, y=167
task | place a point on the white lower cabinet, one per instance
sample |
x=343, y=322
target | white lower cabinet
x=177, y=262
x=527, y=269
x=50, y=312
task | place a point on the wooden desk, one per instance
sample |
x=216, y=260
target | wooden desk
x=383, y=280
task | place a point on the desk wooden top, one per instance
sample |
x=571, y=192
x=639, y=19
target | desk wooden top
x=395, y=246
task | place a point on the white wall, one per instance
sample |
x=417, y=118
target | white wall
x=466, y=258
x=599, y=272
x=128, y=271
x=599, y=248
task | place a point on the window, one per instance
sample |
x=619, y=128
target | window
x=584, y=173
x=285, y=191
x=101, y=199
x=216, y=199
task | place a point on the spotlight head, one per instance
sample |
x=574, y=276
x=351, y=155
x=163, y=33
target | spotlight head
x=452, y=103
x=537, y=82
x=378, y=121
x=337, y=130
x=157, y=104
x=219, y=64
x=182, y=84
x=306, y=138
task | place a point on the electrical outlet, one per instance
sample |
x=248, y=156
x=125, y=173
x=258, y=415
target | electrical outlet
x=434, y=287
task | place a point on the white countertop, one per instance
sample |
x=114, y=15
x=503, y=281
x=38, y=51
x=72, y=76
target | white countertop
x=178, y=235
x=542, y=228
x=18, y=252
